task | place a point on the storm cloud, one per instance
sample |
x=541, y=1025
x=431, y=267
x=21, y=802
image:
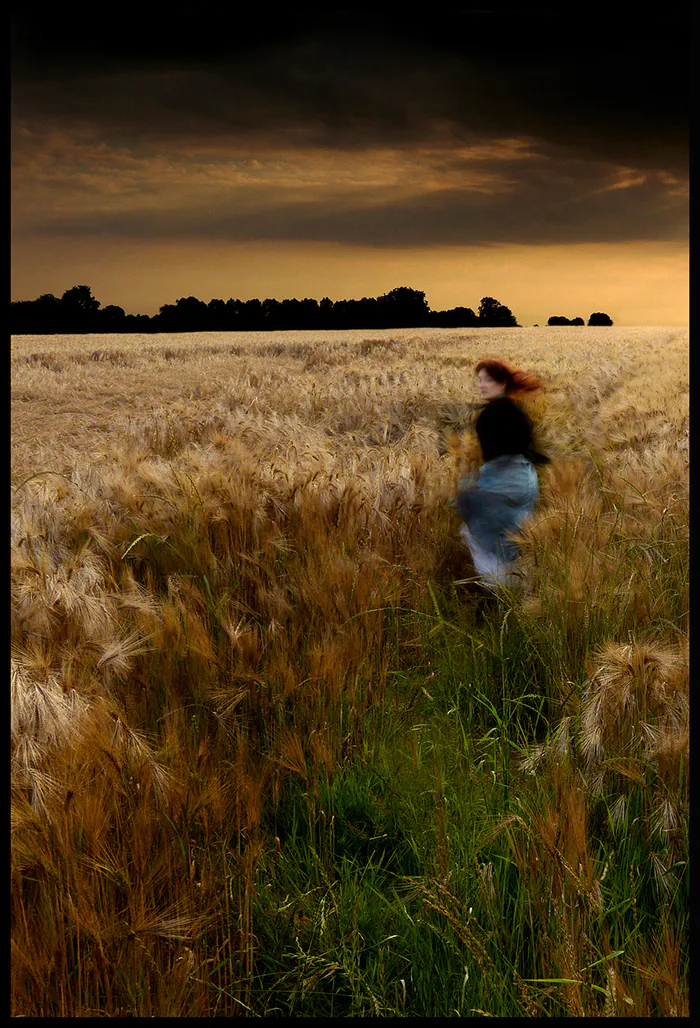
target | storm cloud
x=385, y=130
x=612, y=86
x=505, y=192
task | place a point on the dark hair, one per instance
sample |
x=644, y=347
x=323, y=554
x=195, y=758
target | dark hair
x=515, y=380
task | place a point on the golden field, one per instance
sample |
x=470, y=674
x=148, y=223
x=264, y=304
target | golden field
x=237, y=584
x=338, y=391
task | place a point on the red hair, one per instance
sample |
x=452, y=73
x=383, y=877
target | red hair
x=515, y=380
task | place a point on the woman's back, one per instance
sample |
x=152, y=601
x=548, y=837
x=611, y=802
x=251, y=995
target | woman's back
x=503, y=427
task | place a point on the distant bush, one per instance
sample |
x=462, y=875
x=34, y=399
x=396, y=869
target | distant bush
x=598, y=318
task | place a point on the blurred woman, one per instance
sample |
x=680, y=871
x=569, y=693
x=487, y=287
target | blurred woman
x=494, y=501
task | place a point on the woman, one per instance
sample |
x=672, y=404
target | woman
x=493, y=502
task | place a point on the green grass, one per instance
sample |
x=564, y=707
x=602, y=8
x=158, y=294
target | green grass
x=394, y=892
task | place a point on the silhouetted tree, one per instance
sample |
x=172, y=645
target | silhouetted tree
x=455, y=317
x=111, y=318
x=78, y=311
x=188, y=314
x=166, y=318
x=325, y=313
x=192, y=314
x=80, y=298
x=308, y=313
x=216, y=315
x=493, y=314
x=47, y=302
x=598, y=318
x=252, y=314
x=270, y=313
x=557, y=319
x=368, y=313
x=403, y=307
x=34, y=317
x=342, y=314
x=140, y=323
x=234, y=315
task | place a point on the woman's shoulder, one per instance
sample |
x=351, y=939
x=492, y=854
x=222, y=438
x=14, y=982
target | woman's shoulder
x=529, y=407
x=497, y=403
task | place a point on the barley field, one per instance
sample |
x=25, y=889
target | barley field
x=273, y=754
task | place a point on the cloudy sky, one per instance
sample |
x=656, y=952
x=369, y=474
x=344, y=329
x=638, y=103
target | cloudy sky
x=520, y=153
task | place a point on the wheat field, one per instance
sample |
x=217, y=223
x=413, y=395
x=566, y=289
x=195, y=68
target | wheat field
x=272, y=754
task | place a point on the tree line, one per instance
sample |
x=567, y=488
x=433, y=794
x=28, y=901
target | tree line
x=597, y=318
x=78, y=312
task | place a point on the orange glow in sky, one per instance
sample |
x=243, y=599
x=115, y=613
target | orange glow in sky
x=635, y=283
x=342, y=159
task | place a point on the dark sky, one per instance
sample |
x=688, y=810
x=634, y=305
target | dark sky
x=460, y=128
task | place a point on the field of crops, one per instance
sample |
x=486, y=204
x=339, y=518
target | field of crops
x=272, y=753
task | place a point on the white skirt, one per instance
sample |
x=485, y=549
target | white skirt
x=491, y=568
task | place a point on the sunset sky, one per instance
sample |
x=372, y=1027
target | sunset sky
x=537, y=157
